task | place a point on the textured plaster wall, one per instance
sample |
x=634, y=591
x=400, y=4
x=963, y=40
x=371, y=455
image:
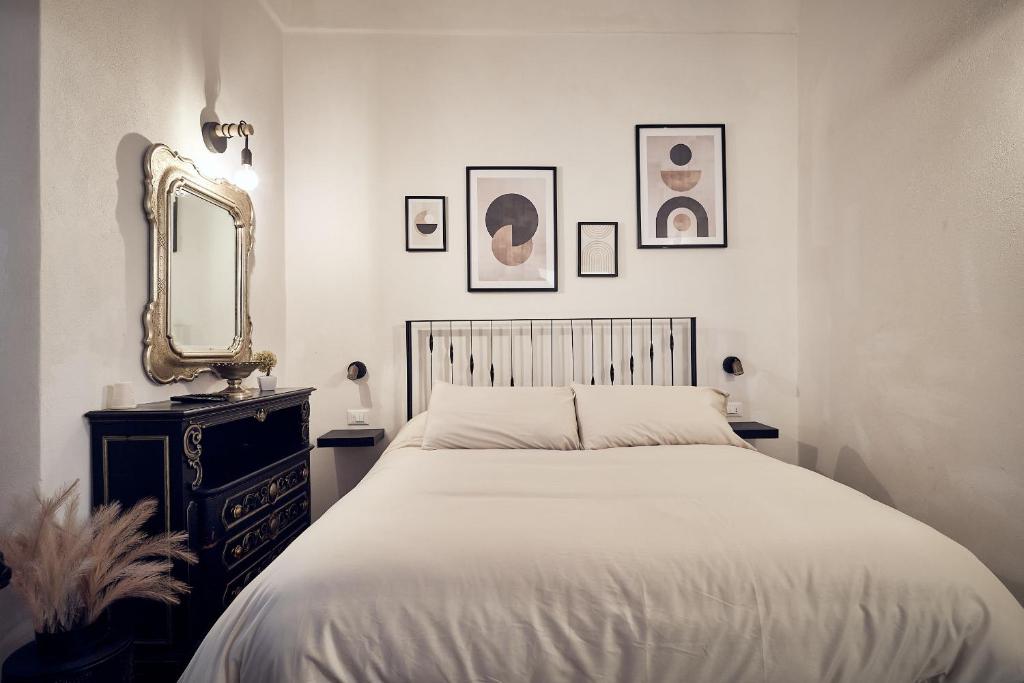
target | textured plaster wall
x=911, y=259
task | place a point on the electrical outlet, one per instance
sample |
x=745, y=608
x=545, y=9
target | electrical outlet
x=734, y=409
x=358, y=417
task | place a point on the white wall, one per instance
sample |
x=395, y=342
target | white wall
x=111, y=78
x=19, y=280
x=116, y=77
x=372, y=118
x=911, y=259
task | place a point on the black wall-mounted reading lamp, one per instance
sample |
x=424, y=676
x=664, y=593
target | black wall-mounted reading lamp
x=356, y=370
x=216, y=136
x=732, y=365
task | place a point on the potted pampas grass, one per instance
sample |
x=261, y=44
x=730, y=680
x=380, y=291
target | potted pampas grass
x=69, y=569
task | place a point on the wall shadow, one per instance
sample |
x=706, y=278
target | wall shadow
x=352, y=464
x=211, y=21
x=954, y=23
x=20, y=284
x=807, y=456
x=852, y=470
x=365, y=395
x=130, y=215
x=1015, y=587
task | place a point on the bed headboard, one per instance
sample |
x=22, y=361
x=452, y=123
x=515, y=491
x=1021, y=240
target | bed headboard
x=547, y=352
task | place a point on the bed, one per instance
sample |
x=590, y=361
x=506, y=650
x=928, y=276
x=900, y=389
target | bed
x=698, y=559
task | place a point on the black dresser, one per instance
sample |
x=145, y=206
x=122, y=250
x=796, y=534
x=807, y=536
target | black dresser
x=234, y=475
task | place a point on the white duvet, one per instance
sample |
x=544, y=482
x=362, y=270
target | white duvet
x=668, y=563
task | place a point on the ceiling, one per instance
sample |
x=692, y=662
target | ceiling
x=538, y=16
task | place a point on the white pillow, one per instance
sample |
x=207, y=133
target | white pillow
x=410, y=435
x=613, y=416
x=501, y=417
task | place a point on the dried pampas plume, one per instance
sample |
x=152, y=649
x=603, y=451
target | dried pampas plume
x=69, y=570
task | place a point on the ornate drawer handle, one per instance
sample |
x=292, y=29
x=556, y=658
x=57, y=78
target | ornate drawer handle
x=305, y=472
x=236, y=552
x=274, y=490
x=261, y=415
x=304, y=504
x=236, y=511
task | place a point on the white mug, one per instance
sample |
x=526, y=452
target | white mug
x=122, y=395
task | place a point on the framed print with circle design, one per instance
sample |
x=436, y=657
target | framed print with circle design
x=511, y=223
x=597, y=249
x=680, y=186
x=426, y=224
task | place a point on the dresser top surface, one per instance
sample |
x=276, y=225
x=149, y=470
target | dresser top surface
x=175, y=410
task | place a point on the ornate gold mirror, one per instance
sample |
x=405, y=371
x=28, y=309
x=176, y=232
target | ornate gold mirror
x=201, y=239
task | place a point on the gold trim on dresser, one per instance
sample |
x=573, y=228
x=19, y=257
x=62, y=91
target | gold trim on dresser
x=304, y=420
x=193, y=445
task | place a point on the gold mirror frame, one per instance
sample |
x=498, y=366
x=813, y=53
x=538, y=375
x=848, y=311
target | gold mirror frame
x=167, y=172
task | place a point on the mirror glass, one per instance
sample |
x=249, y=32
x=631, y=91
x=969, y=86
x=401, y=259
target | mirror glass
x=203, y=282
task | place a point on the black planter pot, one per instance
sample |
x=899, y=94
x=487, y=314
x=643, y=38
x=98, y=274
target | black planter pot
x=93, y=653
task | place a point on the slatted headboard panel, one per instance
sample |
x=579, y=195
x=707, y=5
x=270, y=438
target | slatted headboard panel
x=547, y=352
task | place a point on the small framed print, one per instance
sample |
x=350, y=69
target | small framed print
x=597, y=252
x=426, y=224
x=512, y=229
x=680, y=186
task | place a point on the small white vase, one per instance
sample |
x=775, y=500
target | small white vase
x=267, y=382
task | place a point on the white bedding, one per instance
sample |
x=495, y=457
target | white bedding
x=669, y=563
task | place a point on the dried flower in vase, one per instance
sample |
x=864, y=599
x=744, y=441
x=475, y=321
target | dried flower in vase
x=69, y=569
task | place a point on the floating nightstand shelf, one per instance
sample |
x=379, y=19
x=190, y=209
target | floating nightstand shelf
x=350, y=438
x=754, y=430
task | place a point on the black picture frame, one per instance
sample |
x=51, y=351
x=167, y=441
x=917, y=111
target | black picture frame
x=579, y=248
x=444, y=224
x=469, y=228
x=639, y=205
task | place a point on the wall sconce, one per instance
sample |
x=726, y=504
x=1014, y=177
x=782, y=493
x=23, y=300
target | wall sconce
x=356, y=370
x=732, y=365
x=216, y=136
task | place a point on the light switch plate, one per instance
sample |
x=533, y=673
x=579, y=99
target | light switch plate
x=358, y=417
x=734, y=409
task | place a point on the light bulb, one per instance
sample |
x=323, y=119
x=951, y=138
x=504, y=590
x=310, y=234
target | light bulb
x=246, y=178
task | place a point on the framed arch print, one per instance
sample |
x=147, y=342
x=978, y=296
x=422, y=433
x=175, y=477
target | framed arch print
x=426, y=224
x=512, y=229
x=680, y=186
x=597, y=249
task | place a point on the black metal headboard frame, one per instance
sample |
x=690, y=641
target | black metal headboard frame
x=650, y=334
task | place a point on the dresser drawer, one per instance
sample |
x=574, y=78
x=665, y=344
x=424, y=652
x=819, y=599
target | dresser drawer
x=257, y=499
x=285, y=515
x=226, y=510
x=244, y=577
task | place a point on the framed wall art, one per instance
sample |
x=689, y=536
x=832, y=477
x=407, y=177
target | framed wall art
x=597, y=250
x=426, y=224
x=512, y=228
x=680, y=186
